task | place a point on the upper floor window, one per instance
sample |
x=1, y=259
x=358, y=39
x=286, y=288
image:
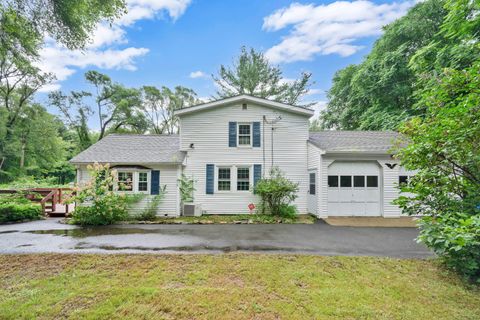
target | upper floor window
x=243, y=179
x=244, y=134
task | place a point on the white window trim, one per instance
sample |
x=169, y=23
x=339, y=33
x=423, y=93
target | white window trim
x=249, y=178
x=233, y=177
x=238, y=134
x=135, y=181
x=217, y=178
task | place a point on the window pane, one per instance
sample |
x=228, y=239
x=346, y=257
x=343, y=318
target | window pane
x=224, y=179
x=402, y=179
x=224, y=185
x=243, y=173
x=243, y=179
x=345, y=181
x=359, y=181
x=142, y=186
x=245, y=140
x=125, y=181
x=333, y=181
x=244, y=129
x=243, y=185
x=224, y=173
x=372, y=181
x=142, y=176
x=312, y=177
x=244, y=134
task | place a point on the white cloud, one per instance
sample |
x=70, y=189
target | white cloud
x=312, y=92
x=107, y=49
x=328, y=29
x=197, y=74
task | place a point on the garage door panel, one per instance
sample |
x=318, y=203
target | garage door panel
x=359, y=199
x=372, y=208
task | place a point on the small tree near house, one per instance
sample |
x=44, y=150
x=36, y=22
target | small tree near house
x=277, y=194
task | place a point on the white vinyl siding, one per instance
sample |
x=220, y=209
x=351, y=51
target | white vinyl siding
x=208, y=131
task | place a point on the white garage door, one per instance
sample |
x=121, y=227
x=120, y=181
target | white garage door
x=354, y=188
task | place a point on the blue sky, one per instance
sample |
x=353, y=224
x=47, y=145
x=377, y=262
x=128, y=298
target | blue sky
x=183, y=42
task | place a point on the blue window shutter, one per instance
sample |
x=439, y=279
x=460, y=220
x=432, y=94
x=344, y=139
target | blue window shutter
x=155, y=182
x=256, y=134
x=257, y=174
x=232, y=134
x=210, y=178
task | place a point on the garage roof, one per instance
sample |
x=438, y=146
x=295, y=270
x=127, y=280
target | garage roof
x=133, y=149
x=354, y=141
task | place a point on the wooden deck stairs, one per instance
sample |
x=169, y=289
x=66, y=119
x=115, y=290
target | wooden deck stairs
x=53, y=200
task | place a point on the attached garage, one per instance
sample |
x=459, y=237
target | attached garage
x=354, y=188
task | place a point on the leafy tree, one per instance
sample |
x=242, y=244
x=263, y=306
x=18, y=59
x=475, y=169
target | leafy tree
x=70, y=22
x=159, y=105
x=253, y=74
x=75, y=114
x=378, y=94
x=117, y=108
x=19, y=78
x=443, y=146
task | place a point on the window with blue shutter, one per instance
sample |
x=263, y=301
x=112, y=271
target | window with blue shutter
x=256, y=134
x=257, y=174
x=232, y=134
x=155, y=183
x=210, y=182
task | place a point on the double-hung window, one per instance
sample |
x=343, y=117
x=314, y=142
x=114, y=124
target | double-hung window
x=243, y=179
x=133, y=181
x=125, y=181
x=244, y=134
x=224, y=179
x=142, y=181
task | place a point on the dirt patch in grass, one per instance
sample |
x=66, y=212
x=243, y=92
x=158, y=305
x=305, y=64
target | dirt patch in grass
x=402, y=222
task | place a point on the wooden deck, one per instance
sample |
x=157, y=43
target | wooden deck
x=53, y=200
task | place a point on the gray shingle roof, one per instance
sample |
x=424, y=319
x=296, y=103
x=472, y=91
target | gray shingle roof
x=354, y=141
x=133, y=149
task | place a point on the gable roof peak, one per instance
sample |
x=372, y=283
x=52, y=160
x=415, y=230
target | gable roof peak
x=245, y=98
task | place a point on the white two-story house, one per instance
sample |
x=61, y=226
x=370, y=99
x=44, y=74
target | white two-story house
x=226, y=146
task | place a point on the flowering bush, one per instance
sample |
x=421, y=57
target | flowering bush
x=98, y=203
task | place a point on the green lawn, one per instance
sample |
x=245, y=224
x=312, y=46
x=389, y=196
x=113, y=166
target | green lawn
x=234, y=218
x=230, y=286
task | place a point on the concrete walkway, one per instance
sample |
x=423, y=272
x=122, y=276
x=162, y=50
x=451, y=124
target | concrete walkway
x=319, y=239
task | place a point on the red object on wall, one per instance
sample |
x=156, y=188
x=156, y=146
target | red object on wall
x=251, y=206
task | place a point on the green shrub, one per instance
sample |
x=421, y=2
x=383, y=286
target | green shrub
x=98, y=203
x=456, y=238
x=277, y=192
x=11, y=212
x=150, y=213
x=288, y=211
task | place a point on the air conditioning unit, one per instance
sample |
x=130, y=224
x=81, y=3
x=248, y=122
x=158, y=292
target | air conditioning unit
x=192, y=210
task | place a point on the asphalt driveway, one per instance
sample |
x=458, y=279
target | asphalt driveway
x=319, y=239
